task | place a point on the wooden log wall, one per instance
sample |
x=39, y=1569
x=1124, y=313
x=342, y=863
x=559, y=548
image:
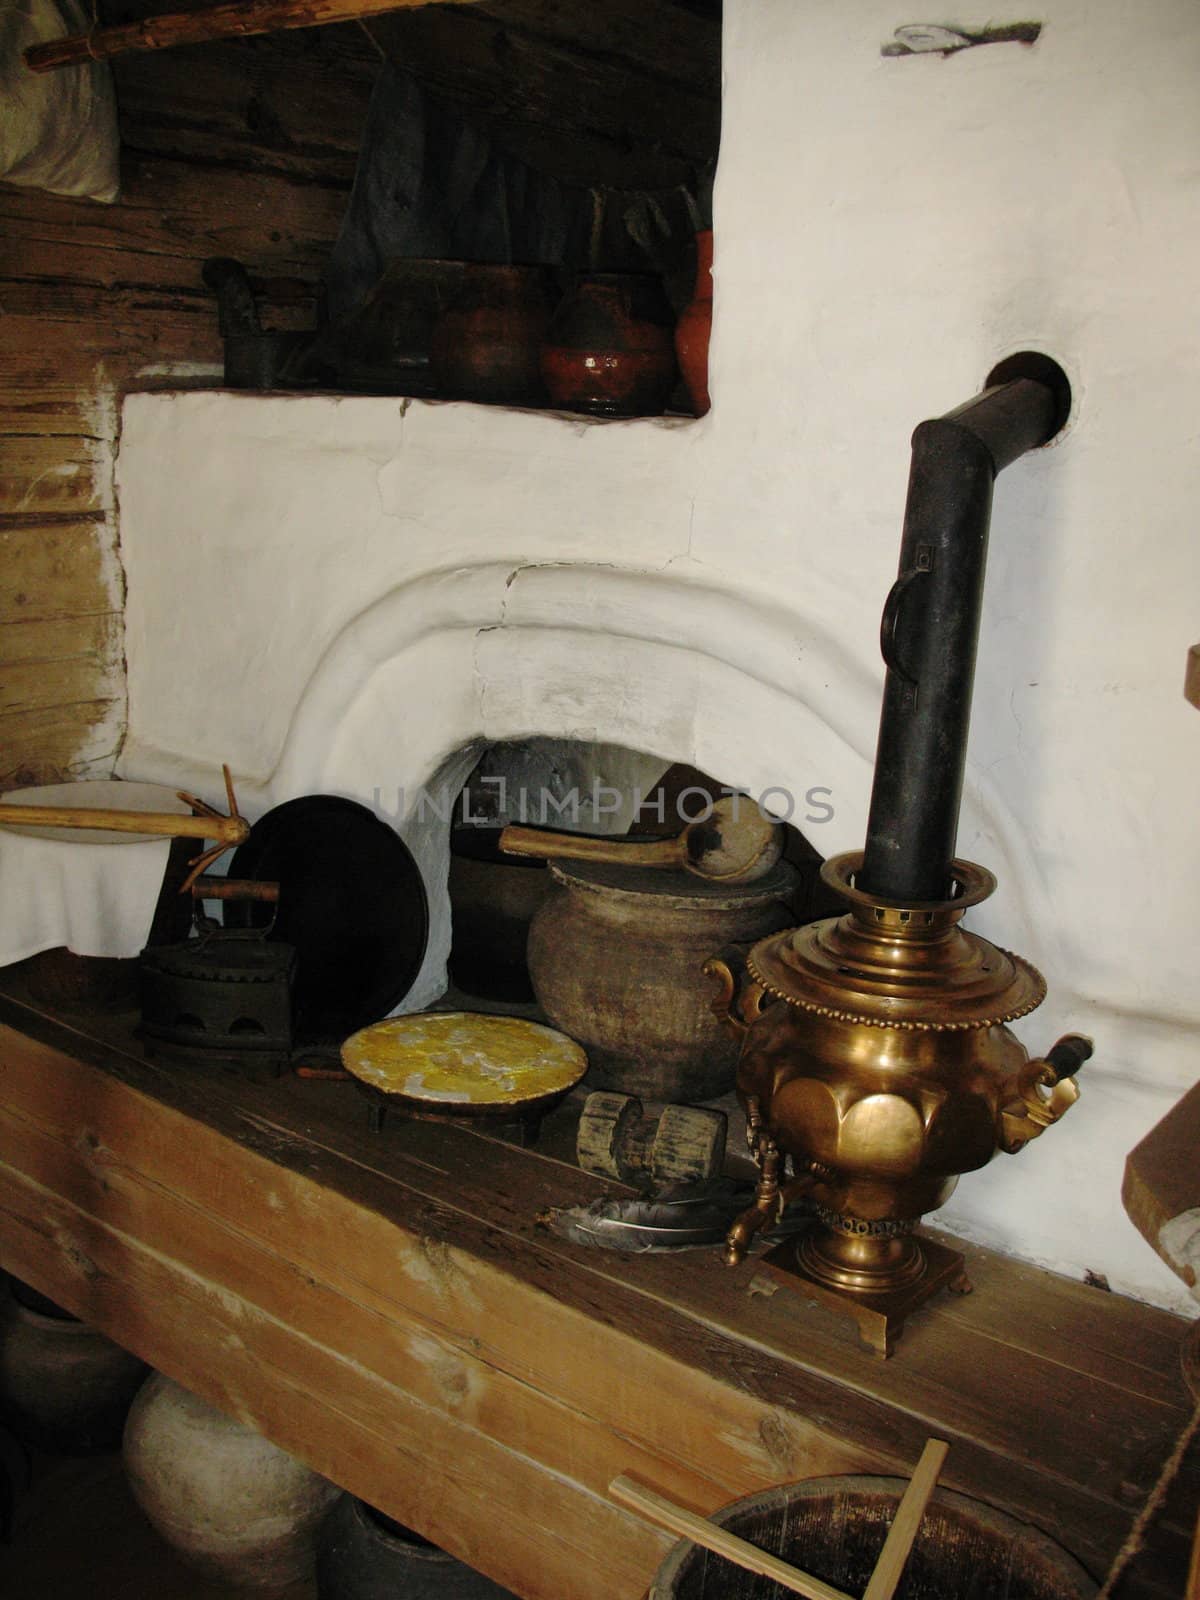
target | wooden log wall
x=244, y=149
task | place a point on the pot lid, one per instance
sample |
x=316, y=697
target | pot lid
x=351, y=901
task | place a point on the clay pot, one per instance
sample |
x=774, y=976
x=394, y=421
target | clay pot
x=610, y=351
x=616, y=954
x=694, y=328
x=363, y=1555
x=63, y=1386
x=485, y=345
x=493, y=898
x=231, y=1503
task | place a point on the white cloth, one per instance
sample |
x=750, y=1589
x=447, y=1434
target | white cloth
x=94, y=892
x=58, y=130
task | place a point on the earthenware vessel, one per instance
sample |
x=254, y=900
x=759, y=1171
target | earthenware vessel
x=63, y=1386
x=233, y=1504
x=694, y=328
x=363, y=1555
x=493, y=898
x=485, y=345
x=616, y=957
x=610, y=350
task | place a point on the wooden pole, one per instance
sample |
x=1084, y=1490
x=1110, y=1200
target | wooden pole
x=1192, y=1592
x=906, y=1522
x=229, y=830
x=232, y=19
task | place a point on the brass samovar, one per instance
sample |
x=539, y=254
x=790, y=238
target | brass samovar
x=876, y=1063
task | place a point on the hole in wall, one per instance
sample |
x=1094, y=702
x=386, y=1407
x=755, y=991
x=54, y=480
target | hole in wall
x=1039, y=368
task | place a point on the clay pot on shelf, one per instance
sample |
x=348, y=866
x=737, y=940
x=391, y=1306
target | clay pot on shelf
x=610, y=350
x=486, y=344
x=493, y=898
x=63, y=1386
x=695, y=328
x=363, y=1555
x=231, y=1503
x=616, y=957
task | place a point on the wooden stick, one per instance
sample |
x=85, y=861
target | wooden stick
x=543, y=843
x=906, y=1522
x=209, y=888
x=625, y=1491
x=233, y=18
x=229, y=830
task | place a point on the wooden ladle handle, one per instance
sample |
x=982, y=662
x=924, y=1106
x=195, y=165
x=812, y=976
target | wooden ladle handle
x=516, y=840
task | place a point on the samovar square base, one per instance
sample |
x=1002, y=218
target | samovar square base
x=880, y=1317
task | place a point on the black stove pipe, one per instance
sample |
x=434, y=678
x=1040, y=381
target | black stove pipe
x=930, y=632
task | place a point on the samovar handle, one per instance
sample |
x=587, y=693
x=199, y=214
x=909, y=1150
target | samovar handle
x=740, y=999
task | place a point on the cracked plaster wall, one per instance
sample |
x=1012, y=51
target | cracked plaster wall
x=353, y=595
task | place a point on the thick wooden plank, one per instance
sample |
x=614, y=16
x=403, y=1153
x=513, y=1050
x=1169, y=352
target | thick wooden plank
x=60, y=743
x=257, y=217
x=224, y=20
x=648, y=36
x=493, y=1506
x=1162, y=1183
x=62, y=413
x=681, y=1411
x=297, y=96
x=68, y=264
x=36, y=641
x=56, y=569
x=49, y=664
x=242, y=149
x=392, y=1339
x=1076, y=1468
x=40, y=474
x=578, y=116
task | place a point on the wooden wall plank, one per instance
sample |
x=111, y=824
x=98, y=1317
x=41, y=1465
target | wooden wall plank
x=53, y=474
x=58, y=743
x=243, y=149
x=53, y=570
x=46, y=684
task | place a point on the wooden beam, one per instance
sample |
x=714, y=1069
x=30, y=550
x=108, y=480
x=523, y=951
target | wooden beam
x=233, y=19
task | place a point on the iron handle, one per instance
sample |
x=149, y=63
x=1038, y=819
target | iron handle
x=889, y=623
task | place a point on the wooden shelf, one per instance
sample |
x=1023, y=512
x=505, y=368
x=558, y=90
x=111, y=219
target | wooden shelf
x=390, y=1308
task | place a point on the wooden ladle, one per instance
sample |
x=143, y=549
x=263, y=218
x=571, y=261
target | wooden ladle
x=735, y=843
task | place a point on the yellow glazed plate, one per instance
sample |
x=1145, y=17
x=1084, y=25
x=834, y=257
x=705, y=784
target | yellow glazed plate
x=462, y=1060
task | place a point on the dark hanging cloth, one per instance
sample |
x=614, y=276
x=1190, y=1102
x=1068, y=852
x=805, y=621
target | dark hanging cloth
x=432, y=186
